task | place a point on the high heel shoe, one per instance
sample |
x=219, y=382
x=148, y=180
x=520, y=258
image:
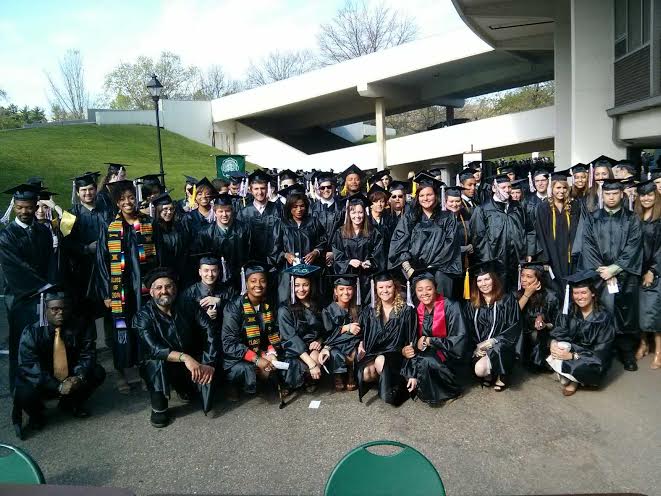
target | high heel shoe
x=643, y=349
x=656, y=363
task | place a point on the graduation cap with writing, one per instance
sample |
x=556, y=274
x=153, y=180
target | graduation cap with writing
x=646, y=187
x=251, y=267
x=114, y=167
x=303, y=271
x=402, y=186
x=581, y=279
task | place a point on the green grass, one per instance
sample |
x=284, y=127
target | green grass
x=59, y=153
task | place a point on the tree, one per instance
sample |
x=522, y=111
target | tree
x=126, y=89
x=358, y=29
x=214, y=83
x=69, y=94
x=11, y=117
x=3, y=94
x=278, y=65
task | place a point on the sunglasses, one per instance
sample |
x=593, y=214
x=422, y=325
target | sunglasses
x=325, y=187
x=396, y=196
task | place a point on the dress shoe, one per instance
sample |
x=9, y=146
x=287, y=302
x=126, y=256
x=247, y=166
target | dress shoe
x=159, y=419
x=630, y=365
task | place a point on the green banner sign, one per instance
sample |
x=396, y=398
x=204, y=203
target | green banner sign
x=229, y=163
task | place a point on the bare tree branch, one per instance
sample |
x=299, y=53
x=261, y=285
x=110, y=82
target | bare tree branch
x=214, y=83
x=69, y=94
x=277, y=66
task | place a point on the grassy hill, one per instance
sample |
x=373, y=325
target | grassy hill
x=59, y=153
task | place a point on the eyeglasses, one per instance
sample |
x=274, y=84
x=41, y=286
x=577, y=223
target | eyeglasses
x=167, y=209
x=396, y=196
x=321, y=188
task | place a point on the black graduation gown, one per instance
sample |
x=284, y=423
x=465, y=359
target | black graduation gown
x=468, y=205
x=261, y=228
x=386, y=226
x=331, y=216
x=556, y=245
x=298, y=328
x=289, y=237
x=616, y=239
x=388, y=340
x=436, y=375
x=650, y=298
x=105, y=204
x=196, y=223
x=173, y=244
x=463, y=235
x=232, y=244
x=536, y=342
x=187, y=330
x=26, y=267
x=341, y=344
x=593, y=339
x=499, y=233
x=194, y=293
x=506, y=331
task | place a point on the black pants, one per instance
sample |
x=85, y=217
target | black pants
x=30, y=397
x=21, y=315
x=626, y=345
x=178, y=378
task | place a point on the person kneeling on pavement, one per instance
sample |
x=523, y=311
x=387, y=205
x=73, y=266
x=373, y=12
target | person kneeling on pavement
x=178, y=342
x=56, y=359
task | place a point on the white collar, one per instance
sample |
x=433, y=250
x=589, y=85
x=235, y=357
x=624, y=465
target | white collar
x=328, y=202
x=464, y=197
x=22, y=224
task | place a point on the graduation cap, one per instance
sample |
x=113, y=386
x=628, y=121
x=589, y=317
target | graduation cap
x=603, y=161
x=325, y=176
x=375, y=178
x=501, y=178
x=518, y=184
x=301, y=270
x=190, y=180
x=35, y=181
x=259, y=176
x=612, y=185
x=207, y=258
x=204, y=182
x=423, y=179
x=486, y=267
x=288, y=174
x=654, y=172
x=85, y=179
x=505, y=169
x=162, y=199
x=478, y=164
x=581, y=279
x=465, y=174
x=455, y=191
x=424, y=274
x=343, y=279
x=358, y=199
x=120, y=186
x=646, y=187
x=402, y=186
x=49, y=292
x=628, y=166
x=435, y=172
x=579, y=167
x=224, y=200
x=289, y=190
x=377, y=189
x=235, y=177
x=540, y=172
x=251, y=267
x=24, y=191
x=46, y=195
x=150, y=179
x=114, y=167
x=353, y=169
x=158, y=273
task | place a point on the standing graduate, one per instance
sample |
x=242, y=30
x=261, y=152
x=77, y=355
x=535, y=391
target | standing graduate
x=298, y=238
x=125, y=254
x=227, y=240
x=612, y=246
x=116, y=172
x=466, y=180
x=386, y=325
x=601, y=169
x=454, y=204
x=353, y=179
x=398, y=193
x=380, y=217
x=301, y=329
x=540, y=192
x=435, y=346
x=327, y=209
x=581, y=349
x=45, y=215
x=171, y=237
x=342, y=332
x=579, y=183
x=260, y=216
x=648, y=210
x=26, y=249
x=498, y=227
x=426, y=238
x=198, y=219
x=493, y=319
x=357, y=246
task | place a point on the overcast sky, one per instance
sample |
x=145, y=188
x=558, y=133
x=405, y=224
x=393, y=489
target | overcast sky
x=34, y=34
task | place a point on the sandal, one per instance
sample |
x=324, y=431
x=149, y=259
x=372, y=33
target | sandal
x=339, y=382
x=499, y=387
x=123, y=387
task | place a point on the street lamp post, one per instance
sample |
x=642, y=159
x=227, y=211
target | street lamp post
x=155, y=87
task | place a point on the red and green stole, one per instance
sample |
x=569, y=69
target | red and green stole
x=438, y=327
x=116, y=246
x=251, y=325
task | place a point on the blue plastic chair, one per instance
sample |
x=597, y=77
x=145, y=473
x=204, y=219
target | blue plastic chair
x=362, y=472
x=18, y=467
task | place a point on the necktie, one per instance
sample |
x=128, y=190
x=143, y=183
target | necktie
x=60, y=365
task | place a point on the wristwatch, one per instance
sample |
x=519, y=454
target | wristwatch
x=256, y=359
x=575, y=356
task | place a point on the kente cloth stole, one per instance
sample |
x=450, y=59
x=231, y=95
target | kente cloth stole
x=146, y=253
x=438, y=328
x=251, y=325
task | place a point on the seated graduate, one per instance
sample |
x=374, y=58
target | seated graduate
x=56, y=359
x=493, y=319
x=210, y=293
x=301, y=329
x=250, y=336
x=582, y=345
x=386, y=325
x=179, y=345
x=342, y=332
x=539, y=309
x=436, y=346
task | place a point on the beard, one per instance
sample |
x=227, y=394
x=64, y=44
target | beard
x=164, y=301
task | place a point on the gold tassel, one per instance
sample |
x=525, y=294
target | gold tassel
x=344, y=189
x=367, y=183
x=191, y=201
x=553, y=219
x=467, y=287
x=67, y=222
x=414, y=189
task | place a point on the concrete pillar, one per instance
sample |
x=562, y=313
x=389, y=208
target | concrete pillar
x=563, y=93
x=449, y=115
x=380, y=117
x=592, y=81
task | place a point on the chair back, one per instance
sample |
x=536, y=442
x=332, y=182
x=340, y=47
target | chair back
x=17, y=467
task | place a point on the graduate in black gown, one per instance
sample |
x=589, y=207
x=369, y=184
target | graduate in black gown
x=381, y=218
x=557, y=224
x=579, y=184
x=342, y=332
x=519, y=194
x=49, y=214
x=612, y=246
x=353, y=179
x=178, y=345
x=426, y=237
x=227, y=240
x=454, y=204
x=493, y=319
x=386, y=325
x=301, y=329
x=199, y=218
x=582, y=343
x=498, y=227
x=26, y=249
x=399, y=190
x=358, y=247
x=436, y=344
x=298, y=238
x=116, y=172
x=648, y=210
x=172, y=238
x=539, y=309
x=260, y=216
x=469, y=200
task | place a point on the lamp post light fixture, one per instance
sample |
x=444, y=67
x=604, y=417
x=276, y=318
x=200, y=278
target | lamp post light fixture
x=155, y=88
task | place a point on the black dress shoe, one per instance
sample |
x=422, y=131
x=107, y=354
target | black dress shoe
x=159, y=419
x=630, y=365
x=79, y=412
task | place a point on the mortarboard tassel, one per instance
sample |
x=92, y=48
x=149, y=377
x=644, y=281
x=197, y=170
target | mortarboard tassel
x=372, y=293
x=73, y=192
x=138, y=192
x=565, y=305
x=359, y=298
x=570, y=180
x=467, y=287
x=591, y=176
x=519, y=284
x=244, y=288
x=278, y=183
x=151, y=210
x=409, y=300
x=193, y=195
x=316, y=187
x=649, y=175
x=223, y=267
x=344, y=189
x=600, y=195
x=43, y=322
x=367, y=212
x=49, y=214
x=531, y=183
x=443, y=207
x=414, y=189
x=5, y=218
x=269, y=191
x=456, y=180
x=292, y=290
x=630, y=201
x=549, y=187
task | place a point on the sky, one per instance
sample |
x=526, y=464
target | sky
x=35, y=34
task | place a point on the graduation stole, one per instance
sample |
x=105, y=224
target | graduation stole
x=251, y=325
x=438, y=328
x=553, y=224
x=146, y=252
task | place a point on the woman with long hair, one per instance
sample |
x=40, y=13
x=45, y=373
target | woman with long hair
x=648, y=210
x=116, y=172
x=493, y=318
x=357, y=246
x=427, y=237
x=601, y=169
x=582, y=340
x=171, y=237
x=301, y=330
x=557, y=223
x=579, y=186
x=539, y=308
x=380, y=217
x=299, y=238
x=386, y=325
x=342, y=332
